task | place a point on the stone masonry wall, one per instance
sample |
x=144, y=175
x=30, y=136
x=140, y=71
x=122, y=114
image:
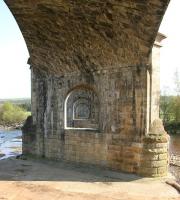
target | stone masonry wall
x=155, y=151
x=116, y=144
x=104, y=46
x=124, y=138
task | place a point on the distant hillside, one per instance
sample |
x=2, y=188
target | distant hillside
x=16, y=101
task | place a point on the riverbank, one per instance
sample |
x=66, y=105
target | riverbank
x=42, y=179
x=17, y=126
x=2, y=155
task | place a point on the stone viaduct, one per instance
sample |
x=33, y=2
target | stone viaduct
x=95, y=84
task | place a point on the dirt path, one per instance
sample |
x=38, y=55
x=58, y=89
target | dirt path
x=35, y=180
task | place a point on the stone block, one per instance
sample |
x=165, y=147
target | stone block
x=155, y=151
x=151, y=157
x=163, y=156
x=154, y=163
x=162, y=170
x=148, y=171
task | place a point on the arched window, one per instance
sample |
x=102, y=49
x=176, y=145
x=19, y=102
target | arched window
x=82, y=109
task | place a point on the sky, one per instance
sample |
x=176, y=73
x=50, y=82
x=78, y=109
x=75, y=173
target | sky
x=170, y=52
x=15, y=73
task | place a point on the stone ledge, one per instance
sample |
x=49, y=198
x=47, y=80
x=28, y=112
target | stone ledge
x=155, y=139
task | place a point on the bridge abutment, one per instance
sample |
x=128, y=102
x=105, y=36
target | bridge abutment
x=95, y=88
x=100, y=118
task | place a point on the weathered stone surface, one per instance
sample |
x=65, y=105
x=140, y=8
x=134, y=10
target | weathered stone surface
x=155, y=152
x=157, y=128
x=94, y=97
x=68, y=36
x=119, y=142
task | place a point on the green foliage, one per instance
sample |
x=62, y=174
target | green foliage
x=26, y=106
x=11, y=114
x=170, y=108
x=176, y=108
x=172, y=127
x=166, y=108
x=170, y=113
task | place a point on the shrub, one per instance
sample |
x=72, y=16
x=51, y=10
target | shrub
x=172, y=127
x=26, y=106
x=10, y=114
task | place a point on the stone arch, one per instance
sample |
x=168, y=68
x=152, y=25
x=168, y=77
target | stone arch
x=81, y=108
x=87, y=36
x=106, y=44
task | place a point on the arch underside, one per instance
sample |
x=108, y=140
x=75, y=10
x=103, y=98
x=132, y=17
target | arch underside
x=65, y=36
x=105, y=46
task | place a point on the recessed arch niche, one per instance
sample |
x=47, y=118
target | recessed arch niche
x=82, y=109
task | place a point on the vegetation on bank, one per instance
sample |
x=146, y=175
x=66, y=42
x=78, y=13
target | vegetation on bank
x=11, y=114
x=170, y=108
x=170, y=113
x=22, y=102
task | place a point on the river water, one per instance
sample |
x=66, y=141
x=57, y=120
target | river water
x=11, y=145
x=175, y=150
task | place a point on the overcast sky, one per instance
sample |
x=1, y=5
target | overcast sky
x=15, y=73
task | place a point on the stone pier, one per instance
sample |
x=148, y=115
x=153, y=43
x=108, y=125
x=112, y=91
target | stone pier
x=95, y=82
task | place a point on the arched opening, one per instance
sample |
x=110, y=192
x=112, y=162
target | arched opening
x=81, y=109
x=108, y=48
x=15, y=84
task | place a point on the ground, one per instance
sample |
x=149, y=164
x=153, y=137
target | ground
x=42, y=179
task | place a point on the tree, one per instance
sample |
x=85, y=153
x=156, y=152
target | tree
x=170, y=107
x=166, y=106
x=177, y=97
x=177, y=82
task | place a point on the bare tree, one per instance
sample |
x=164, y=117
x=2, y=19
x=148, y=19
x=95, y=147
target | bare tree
x=177, y=82
x=165, y=105
x=177, y=97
